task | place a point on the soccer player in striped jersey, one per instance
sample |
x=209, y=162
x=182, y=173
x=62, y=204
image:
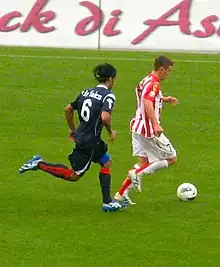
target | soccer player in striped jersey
x=149, y=144
x=94, y=107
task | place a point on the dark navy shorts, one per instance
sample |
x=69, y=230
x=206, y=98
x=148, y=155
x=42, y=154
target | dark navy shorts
x=83, y=155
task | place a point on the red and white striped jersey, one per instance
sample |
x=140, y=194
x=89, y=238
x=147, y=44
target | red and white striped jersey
x=148, y=88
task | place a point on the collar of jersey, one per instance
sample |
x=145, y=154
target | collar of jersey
x=102, y=85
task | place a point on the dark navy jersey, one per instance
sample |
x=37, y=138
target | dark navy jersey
x=89, y=105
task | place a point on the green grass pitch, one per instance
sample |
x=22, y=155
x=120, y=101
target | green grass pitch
x=46, y=222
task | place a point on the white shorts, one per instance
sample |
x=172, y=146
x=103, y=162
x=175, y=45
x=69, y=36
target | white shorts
x=155, y=148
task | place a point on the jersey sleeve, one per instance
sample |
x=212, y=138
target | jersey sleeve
x=152, y=91
x=108, y=103
x=74, y=104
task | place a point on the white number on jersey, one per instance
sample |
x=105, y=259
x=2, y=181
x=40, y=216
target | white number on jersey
x=85, y=110
x=110, y=103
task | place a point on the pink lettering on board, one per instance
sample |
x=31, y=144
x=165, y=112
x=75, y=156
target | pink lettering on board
x=183, y=22
x=218, y=32
x=208, y=26
x=40, y=20
x=37, y=18
x=6, y=19
x=94, y=21
x=109, y=29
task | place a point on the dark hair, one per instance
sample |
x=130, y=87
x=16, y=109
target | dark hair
x=162, y=61
x=103, y=72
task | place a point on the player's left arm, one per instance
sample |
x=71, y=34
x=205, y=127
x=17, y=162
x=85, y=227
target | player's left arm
x=170, y=99
x=108, y=104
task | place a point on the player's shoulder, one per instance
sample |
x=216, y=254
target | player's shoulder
x=109, y=94
x=150, y=79
x=150, y=82
x=93, y=93
x=106, y=92
x=154, y=79
x=98, y=93
x=156, y=86
x=155, y=83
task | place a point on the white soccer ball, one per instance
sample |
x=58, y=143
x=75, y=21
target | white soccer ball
x=186, y=192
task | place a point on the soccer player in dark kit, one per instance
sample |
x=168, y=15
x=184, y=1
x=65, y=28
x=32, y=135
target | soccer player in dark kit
x=94, y=107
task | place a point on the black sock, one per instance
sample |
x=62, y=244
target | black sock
x=105, y=184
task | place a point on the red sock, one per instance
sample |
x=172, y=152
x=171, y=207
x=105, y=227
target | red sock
x=105, y=170
x=142, y=168
x=124, y=186
x=56, y=170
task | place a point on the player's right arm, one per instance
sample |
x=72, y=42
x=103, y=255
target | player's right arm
x=69, y=115
x=151, y=115
x=148, y=99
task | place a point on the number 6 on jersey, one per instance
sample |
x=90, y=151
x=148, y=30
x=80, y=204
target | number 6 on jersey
x=85, y=110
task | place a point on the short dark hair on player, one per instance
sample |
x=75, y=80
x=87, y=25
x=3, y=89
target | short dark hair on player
x=162, y=61
x=103, y=72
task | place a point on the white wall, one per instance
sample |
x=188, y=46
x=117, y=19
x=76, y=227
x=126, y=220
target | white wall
x=56, y=23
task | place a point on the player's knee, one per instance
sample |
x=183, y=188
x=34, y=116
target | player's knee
x=107, y=164
x=143, y=161
x=105, y=161
x=74, y=177
x=172, y=161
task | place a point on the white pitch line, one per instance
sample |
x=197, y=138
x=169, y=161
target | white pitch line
x=109, y=58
